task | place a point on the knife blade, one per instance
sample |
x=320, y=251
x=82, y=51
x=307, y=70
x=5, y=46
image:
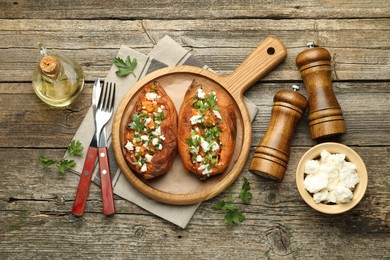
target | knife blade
x=89, y=163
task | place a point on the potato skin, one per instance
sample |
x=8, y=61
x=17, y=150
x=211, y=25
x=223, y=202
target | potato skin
x=228, y=129
x=162, y=159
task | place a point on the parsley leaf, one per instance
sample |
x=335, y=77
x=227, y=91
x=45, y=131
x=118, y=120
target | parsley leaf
x=75, y=148
x=245, y=195
x=137, y=125
x=233, y=215
x=225, y=206
x=46, y=162
x=125, y=67
x=65, y=164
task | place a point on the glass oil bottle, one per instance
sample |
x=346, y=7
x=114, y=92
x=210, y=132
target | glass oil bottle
x=57, y=80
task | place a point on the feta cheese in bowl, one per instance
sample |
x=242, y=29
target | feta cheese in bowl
x=331, y=178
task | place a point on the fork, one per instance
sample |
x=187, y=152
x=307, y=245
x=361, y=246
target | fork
x=104, y=112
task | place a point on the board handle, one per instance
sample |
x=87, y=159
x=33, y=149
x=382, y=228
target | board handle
x=270, y=53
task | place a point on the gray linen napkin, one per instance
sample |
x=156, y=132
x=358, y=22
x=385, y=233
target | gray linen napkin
x=167, y=52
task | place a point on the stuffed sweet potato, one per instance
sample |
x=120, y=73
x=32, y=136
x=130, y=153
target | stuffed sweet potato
x=150, y=142
x=207, y=130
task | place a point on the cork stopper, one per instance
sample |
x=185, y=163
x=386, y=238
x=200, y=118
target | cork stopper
x=49, y=65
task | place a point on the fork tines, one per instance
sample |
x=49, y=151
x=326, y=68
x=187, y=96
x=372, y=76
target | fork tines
x=107, y=96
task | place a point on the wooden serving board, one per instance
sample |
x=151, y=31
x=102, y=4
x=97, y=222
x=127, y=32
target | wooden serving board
x=179, y=186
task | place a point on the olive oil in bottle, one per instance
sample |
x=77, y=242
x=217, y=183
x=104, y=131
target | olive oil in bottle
x=57, y=80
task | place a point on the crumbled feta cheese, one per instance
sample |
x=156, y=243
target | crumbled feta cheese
x=206, y=171
x=202, y=167
x=157, y=131
x=337, y=160
x=324, y=156
x=321, y=196
x=332, y=197
x=312, y=167
x=155, y=141
x=201, y=94
x=148, y=157
x=339, y=176
x=194, y=150
x=144, y=168
x=159, y=110
x=137, y=149
x=129, y=146
x=162, y=137
x=205, y=145
x=162, y=106
x=317, y=182
x=215, y=94
x=333, y=181
x=148, y=120
x=144, y=138
x=151, y=96
x=217, y=114
x=196, y=119
x=160, y=147
x=199, y=158
x=328, y=168
x=349, y=177
x=214, y=146
x=343, y=194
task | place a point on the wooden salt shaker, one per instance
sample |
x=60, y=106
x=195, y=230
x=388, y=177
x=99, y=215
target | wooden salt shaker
x=271, y=156
x=324, y=115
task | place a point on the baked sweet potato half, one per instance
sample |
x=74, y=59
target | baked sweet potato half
x=150, y=142
x=207, y=130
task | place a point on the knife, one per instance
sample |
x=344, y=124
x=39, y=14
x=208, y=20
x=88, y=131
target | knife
x=89, y=163
x=105, y=175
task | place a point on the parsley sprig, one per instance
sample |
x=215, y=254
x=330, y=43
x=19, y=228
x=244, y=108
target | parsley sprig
x=74, y=148
x=125, y=67
x=137, y=123
x=233, y=215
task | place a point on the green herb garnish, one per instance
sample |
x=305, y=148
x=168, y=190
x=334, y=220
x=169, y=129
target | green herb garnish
x=233, y=215
x=245, y=194
x=125, y=67
x=74, y=148
x=136, y=123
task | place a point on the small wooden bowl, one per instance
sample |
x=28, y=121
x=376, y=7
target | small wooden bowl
x=350, y=156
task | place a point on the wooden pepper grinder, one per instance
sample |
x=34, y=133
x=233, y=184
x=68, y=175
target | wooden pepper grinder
x=271, y=156
x=324, y=115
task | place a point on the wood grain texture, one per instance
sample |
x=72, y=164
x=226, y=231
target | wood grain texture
x=359, y=48
x=273, y=228
x=28, y=122
x=35, y=203
x=199, y=9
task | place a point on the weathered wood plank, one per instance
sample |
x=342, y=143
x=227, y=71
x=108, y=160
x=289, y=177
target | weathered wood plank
x=35, y=203
x=349, y=63
x=199, y=9
x=38, y=222
x=360, y=49
x=28, y=122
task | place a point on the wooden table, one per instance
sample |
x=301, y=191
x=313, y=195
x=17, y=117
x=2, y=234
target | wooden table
x=35, y=203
